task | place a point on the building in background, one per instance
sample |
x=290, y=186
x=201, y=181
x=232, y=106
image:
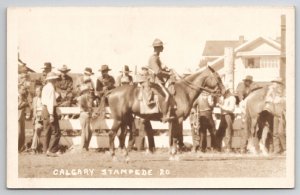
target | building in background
x=259, y=58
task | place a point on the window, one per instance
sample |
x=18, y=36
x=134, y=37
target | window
x=262, y=62
x=269, y=62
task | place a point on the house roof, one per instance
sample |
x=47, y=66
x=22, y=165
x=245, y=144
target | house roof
x=245, y=45
x=216, y=48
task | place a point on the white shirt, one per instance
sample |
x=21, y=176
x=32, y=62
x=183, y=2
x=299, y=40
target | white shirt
x=49, y=97
x=229, y=104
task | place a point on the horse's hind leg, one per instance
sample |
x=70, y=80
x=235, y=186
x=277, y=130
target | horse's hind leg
x=112, y=134
x=253, y=141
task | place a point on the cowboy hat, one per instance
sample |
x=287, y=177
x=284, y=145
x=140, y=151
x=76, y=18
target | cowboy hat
x=51, y=76
x=64, y=68
x=104, y=67
x=88, y=71
x=47, y=65
x=248, y=78
x=157, y=43
x=277, y=80
x=126, y=69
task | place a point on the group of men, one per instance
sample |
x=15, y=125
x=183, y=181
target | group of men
x=54, y=90
x=202, y=117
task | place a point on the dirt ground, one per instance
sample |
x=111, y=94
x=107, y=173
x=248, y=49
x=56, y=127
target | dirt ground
x=100, y=165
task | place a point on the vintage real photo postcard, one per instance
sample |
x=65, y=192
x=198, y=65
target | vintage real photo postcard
x=150, y=97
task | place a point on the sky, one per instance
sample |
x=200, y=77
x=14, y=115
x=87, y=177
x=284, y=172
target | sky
x=90, y=37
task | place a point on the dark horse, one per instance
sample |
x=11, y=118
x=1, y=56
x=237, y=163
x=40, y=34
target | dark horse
x=124, y=102
x=257, y=118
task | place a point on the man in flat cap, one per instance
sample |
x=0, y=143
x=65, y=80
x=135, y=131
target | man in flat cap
x=64, y=87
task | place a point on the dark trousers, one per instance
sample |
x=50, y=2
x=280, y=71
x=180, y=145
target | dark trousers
x=146, y=130
x=21, y=125
x=51, y=141
x=206, y=123
x=226, y=130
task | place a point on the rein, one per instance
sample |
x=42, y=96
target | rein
x=197, y=88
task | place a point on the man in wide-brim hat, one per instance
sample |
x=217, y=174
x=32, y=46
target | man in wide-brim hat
x=64, y=86
x=244, y=88
x=88, y=71
x=125, y=76
x=46, y=69
x=109, y=83
x=50, y=121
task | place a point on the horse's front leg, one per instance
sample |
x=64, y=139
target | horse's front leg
x=112, y=134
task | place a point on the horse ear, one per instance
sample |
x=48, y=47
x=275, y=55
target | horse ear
x=211, y=69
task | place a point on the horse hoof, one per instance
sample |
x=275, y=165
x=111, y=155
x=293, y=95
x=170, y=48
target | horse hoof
x=127, y=159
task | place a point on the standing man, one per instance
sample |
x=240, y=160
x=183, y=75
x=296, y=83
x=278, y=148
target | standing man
x=64, y=87
x=162, y=75
x=50, y=122
x=276, y=104
x=24, y=102
x=86, y=108
x=227, y=117
x=125, y=77
x=205, y=104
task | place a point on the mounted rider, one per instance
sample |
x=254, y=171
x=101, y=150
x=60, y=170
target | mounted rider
x=162, y=74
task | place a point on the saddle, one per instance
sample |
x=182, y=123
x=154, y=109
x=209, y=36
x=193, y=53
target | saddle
x=148, y=102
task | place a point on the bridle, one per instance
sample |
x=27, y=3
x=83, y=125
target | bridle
x=199, y=88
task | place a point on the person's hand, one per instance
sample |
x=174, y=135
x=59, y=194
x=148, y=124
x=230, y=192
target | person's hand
x=51, y=118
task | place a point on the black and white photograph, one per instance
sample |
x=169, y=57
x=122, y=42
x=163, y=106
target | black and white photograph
x=151, y=97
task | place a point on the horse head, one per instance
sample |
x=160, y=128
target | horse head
x=213, y=81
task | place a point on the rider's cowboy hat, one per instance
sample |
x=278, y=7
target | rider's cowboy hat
x=248, y=78
x=51, y=76
x=126, y=69
x=157, y=43
x=47, y=65
x=64, y=68
x=104, y=68
x=277, y=80
x=88, y=71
